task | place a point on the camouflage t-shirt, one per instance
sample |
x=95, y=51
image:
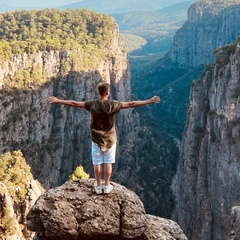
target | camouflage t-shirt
x=103, y=130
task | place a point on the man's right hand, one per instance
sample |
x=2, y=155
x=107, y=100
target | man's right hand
x=53, y=99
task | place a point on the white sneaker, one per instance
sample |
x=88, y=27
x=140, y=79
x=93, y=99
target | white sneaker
x=98, y=189
x=108, y=189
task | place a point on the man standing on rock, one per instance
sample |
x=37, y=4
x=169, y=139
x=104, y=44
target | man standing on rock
x=103, y=130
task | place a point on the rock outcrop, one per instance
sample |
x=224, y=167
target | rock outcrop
x=235, y=224
x=208, y=180
x=74, y=211
x=14, y=212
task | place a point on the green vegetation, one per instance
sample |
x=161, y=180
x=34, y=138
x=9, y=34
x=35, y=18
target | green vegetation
x=133, y=42
x=84, y=33
x=106, y=6
x=156, y=28
x=172, y=85
x=154, y=23
x=30, y=31
x=215, y=6
x=79, y=173
x=8, y=224
x=143, y=62
x=15, y=175
x=222, y=54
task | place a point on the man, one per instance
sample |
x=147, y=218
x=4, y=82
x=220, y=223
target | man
x=103, y=130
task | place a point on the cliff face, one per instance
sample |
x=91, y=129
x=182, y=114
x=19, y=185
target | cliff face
x=208, y=174
x=55, y=139
x=210, y=24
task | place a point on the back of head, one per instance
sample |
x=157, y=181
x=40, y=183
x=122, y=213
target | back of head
x=103, y=88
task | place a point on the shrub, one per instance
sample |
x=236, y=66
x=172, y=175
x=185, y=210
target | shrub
x=79, y=173
x=12, y=169
x=7, y=223
x=15, y=175
x=222, y=54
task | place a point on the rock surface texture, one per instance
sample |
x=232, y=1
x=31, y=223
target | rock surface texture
x=74, y=211
x=210, y=24
x=16, y=211
x=208, y=180
x=235, y=224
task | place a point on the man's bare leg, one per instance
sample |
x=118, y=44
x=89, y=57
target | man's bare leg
x=98, y=173
x=107, y=173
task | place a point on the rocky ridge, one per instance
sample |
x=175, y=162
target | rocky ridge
x=208, y=175
x=74, y=211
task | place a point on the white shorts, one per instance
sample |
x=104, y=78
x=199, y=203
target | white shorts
x=100, y=157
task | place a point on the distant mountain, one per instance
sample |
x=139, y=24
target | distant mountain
x=176, y=13
x=110, y=6
x=157, y=27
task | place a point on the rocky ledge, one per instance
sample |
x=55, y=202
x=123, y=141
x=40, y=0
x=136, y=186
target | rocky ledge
x=74, y=211
x=235, y=224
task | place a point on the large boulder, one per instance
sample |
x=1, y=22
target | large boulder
x=74, y=211
x=162, y=229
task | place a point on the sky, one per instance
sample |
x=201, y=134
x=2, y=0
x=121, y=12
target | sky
x=37, y=3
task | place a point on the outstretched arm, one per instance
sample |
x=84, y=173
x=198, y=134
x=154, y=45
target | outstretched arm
x=69, y=103
x=140, y=103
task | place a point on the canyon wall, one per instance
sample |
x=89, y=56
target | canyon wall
x=208, y=174
x=210, y=24
x=56, y=139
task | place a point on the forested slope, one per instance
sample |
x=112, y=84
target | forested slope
x=83, y=32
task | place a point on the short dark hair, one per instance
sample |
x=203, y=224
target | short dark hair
x=103, y=88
